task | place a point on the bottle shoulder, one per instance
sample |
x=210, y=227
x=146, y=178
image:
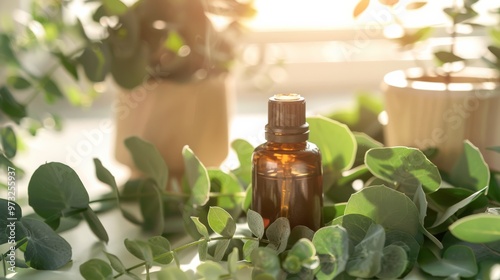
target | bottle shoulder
x=288, y=148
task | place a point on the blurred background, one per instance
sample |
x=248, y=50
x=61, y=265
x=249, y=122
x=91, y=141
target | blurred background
x=63, y=62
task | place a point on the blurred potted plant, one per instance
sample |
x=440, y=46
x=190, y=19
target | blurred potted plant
x=169, y=60
x=439, y=107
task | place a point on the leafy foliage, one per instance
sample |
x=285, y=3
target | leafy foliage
x=395, y=226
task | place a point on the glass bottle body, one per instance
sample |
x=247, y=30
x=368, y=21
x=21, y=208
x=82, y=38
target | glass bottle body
x=287, y=182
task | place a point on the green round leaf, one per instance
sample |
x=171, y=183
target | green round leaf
x=265, y=261
x=210, y=270
x=478, y=228
x=394, y=262
x=404, y=166
x=172, y=272
x=332, y=247
x=292, y=264
x=151, y=205
x=471, y=171
x=248, y=248
x=367, y=258
x=356, y=226
x=160, y=247
x=96, y=269
x=278, y=233
x=340, y=153
x=255, y=223
x=337, y=155
x=140, y=250
x=54, y=189
x=95, y=60
x=46, y=250
x=387, y=207
x=221, y=222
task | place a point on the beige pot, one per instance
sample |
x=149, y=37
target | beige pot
x=171, y=115
x=425, y=111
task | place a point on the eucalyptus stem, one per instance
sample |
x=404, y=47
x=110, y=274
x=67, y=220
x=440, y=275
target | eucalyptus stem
x=189, y=245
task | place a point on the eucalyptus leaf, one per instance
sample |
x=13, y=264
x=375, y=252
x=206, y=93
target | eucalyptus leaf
x=114, y=7
x=95, y=61
x=197, y=177
x=203, y=250
x=96, y=269
x=447, y=57
x=265, y=261
x=210, y=270
x=477, y=228
x=151, y=205
x=332, y=247
x=365, y=143
x=366, y=262
x=278, y=233
x=148, y=159
x=46, y=250
x=405, y=241
x=220, y=249
x=255, y=223
x=248, y=248
x=172, y=272
x=232, y=262
x=387, y=207
x=68, y=64
x=131, y=71
x=456, y=259
x=7, y=54
x=449, y=211
x=18, y=82
x=9, y=141
x=95, y=225
x=403, y=166
x=160, y=247
x=202, y=229
x=337, y=155
x=247, y=201
x=394, y=262
x=55, y=189
x=106, y=177
x=10, y=106
x=299, y=232
x=356, y=226
x=244, y=152
x=51, y=90
x=140, y=249
x=116, y=263
x=221, y=222
x=471, y=171
x=229, y=187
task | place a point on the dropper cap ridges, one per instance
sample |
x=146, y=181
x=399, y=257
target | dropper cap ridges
x=287, y=119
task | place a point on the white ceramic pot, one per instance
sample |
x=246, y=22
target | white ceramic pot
x=171, y=115
x=433, y=111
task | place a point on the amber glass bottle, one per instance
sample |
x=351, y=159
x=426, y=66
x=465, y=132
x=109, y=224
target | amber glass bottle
x=287, y=175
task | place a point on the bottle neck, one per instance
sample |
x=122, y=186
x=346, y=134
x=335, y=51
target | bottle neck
x=287, y=134
x=286, y=146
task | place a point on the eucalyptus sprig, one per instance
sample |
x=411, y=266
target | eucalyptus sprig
x=408, y=219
